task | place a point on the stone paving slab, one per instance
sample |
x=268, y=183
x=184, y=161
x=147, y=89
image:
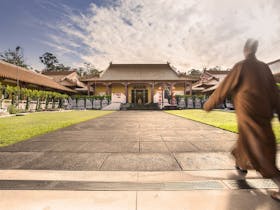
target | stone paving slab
x=181, y=146
x=219, y=136
x=63, y=161
x=71, y=146
x=111, y=147
x=173, y=138
x=205, y=161
x=214, y=146
x=28, y=146
x=152, y=137
x=14, y=160
x=67, y=200
x=154, y=146
x=210, y=200
x=141, y=162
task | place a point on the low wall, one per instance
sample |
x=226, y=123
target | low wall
x=5, y=103
x=88, y=104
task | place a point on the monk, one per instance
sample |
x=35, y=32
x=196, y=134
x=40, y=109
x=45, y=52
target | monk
x=256, y=97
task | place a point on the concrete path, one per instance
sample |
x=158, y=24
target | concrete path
x=125, y=141
x=130, y=160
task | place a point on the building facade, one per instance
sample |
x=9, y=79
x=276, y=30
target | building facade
x=140, y=83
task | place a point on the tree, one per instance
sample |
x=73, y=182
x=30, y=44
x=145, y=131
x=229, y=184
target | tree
x=89, y=70
x=194, y=72
x=216, y=68
x=61, y=67
x=15, y=57
x=80, y=71
x=49, y=60
x=51, y=63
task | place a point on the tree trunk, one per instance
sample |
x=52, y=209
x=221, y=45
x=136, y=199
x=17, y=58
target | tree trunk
x=27, y=104
x=53, y=103
x=47, y=103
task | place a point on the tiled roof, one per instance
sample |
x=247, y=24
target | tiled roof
x=62, y=73
x=66, y=78
x=140, y=72
x=10, y=71
x=217, y=71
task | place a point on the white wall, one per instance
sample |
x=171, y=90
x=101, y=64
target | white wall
x=118, y=98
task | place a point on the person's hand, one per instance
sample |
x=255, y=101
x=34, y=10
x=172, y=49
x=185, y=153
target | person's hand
x=206, y=107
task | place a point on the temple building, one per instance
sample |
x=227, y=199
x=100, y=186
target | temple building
x=209, y=81
x=17, y=76
x=69, y=79
x=140, y=83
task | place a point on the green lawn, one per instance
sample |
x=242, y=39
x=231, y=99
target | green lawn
x=15, y=129
x=220, y=119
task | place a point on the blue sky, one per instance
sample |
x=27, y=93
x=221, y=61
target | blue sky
x=189, y=34
x=22, y=23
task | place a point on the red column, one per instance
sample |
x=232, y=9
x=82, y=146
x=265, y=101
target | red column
x=190, y=88
x=107, y=89
x=172, y=87
x=160, y=99
x=152, y=92
x=126, y=92
x=94, y=91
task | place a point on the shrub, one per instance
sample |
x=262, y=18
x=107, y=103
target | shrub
x=12, y=109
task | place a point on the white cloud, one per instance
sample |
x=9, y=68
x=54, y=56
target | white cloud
x=189, y=33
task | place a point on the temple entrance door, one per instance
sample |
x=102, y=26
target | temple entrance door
x=139, y=96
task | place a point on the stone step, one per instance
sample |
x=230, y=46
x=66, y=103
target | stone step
x=125, y=176
x=113, y=107
x=131, y=181
x=137, y=186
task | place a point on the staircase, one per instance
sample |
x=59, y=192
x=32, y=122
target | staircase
x=113, y=107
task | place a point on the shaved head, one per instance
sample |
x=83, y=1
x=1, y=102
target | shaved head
x=250, y=47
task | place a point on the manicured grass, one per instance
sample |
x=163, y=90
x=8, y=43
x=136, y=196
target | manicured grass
x=15, y=129
x=220, y=119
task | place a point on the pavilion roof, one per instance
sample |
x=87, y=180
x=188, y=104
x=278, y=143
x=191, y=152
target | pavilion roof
x=13, y=72
x=66, y=78
x=140, y=72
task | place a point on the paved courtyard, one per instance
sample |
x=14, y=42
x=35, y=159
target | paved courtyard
x=138, y=160
x=125, y=141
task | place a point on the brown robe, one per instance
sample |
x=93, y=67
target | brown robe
x=255, y=98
